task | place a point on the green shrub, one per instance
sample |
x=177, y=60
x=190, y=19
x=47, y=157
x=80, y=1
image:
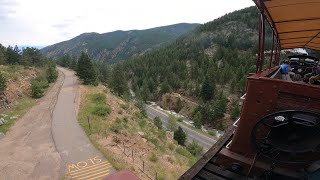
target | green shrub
x=101, y=110
x=125, y=119
x=98, y=98
x=195, y=149
x=212, y=133
x=116, y=128
x=153, y=157
x=171, y=146
x=157, y=122
x=51, y=74
x=3, y=83
x=184, y=152
x=38, y=86
x=124, y=106
x=162, y=135
x=36, y=89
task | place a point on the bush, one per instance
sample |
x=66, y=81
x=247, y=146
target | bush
x=184, y=152
x=172, y=124
x=212, y=133
x=124, y=106
x=171, y=146
x=36, y=89
x=38, y=86
x=195, y=149
x=98, y=98
x=153, y=157
x=157, y=122
x=51, y=74
x=101, y=110
x=117, y=126
x=3, y=84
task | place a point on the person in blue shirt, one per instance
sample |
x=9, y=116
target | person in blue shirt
x=284, y=69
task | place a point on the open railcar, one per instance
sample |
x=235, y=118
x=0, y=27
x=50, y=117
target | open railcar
x=278, y=133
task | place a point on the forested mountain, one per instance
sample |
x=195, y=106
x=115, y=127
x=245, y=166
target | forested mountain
x=223, y=51
x=207, y=64
x=118, y=45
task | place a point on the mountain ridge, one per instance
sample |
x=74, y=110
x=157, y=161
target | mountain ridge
x=118, y=45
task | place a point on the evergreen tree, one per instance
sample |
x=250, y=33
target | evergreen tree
x=3, y=58
x=157, y=122
x=235, y=111
x=73, y=64
x=13, y=55
x=86, y=70
x=118, y=81
x=3, y=83
x=207, y=90
x=52, y=73
x=220, y=106
x=197, y=120
x=180, y=136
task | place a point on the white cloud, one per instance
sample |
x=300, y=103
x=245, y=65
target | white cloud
x=45, y=22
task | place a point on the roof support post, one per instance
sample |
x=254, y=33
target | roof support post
x=260, y=59
x=271, y=53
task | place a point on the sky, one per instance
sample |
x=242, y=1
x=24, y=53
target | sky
x=46, y=22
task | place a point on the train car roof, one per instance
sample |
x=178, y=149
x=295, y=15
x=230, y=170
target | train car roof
x=296, y=22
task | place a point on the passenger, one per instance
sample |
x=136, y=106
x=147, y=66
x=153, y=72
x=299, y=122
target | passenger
x=315, y=75
x=284, y=69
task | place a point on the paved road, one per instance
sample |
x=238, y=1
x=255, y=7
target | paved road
x=82, y=159
x=202, y=140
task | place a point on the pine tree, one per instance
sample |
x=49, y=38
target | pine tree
x=86, y=70
x=51, y=73
x=207, y=90
x=13, y=55
x=197, y=120
x=118, y=81
x=220, y=107
x=180, y=136
x=3, y=58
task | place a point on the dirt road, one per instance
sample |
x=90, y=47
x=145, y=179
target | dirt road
x=28, y=150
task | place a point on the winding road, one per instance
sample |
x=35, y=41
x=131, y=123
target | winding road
x=192, y=135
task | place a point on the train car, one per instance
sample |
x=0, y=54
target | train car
x=278, y=133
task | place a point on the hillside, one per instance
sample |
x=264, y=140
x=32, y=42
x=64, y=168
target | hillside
x=118, y=45
x=209, y=65
x=129, y=140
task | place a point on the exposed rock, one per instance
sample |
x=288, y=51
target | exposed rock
x=2, y=121
x=14, y=117
x=3, y=115
x=141, y=134
x=144, y=140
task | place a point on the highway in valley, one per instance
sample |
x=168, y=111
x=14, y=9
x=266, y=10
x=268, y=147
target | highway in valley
x=192, y=135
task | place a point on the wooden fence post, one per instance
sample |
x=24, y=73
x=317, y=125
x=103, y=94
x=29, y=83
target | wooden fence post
x=88, y=119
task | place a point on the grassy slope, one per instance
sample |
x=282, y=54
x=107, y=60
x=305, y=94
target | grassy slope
x=161, y=156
